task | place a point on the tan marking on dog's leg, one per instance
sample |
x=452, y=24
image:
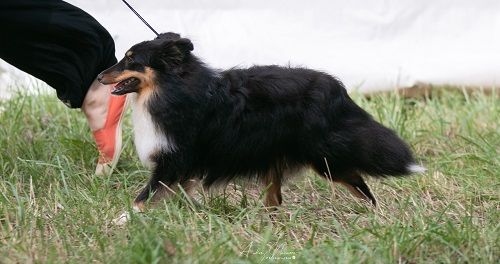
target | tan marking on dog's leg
x=354, y=191
x=164, y=191
x=190, y=186
x=359, y=193
x=138, y=207
x=273, y=195
x=357, y=186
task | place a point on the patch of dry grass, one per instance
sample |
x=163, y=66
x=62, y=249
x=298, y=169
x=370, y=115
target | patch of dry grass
x=53, y=209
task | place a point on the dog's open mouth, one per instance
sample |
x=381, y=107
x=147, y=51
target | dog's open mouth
x=126, y=86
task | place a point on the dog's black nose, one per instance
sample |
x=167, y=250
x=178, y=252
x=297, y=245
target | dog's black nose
x=99, y=77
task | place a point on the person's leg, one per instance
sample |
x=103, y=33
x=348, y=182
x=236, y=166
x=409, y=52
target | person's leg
x=67, y=48
x=104, y=113
x=95, y=105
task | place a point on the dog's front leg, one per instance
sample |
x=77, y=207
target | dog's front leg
x=167, y=173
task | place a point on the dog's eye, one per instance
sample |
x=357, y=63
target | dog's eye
x=129, y=60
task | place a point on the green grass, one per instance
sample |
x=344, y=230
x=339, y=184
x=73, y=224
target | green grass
x=53, y=209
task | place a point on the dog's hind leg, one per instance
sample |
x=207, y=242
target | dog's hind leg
x=272, y=182
x=165, y=191
x=351, y=180
x=357, y=186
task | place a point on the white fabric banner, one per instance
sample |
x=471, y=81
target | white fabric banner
x=372, y=44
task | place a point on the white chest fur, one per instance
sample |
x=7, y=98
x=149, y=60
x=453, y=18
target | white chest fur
x=148, y=139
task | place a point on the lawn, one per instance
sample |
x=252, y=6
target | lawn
x=53, y=209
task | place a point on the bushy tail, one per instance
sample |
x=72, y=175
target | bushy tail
x=383, y=153
x=414, y=168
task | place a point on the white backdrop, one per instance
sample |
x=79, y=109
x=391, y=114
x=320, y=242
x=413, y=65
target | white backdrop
x=372, y=44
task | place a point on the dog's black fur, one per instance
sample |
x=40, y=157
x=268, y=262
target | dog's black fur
x=258, y=122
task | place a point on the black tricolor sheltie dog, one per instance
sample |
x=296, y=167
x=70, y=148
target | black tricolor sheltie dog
x=265, y=122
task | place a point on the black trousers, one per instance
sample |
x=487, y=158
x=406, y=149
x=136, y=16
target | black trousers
x=57, y=43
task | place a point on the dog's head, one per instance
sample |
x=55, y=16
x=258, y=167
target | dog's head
x=136, y=71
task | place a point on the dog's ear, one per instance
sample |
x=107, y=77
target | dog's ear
x=173, y=52
x=185, y=45
x=169, y=36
